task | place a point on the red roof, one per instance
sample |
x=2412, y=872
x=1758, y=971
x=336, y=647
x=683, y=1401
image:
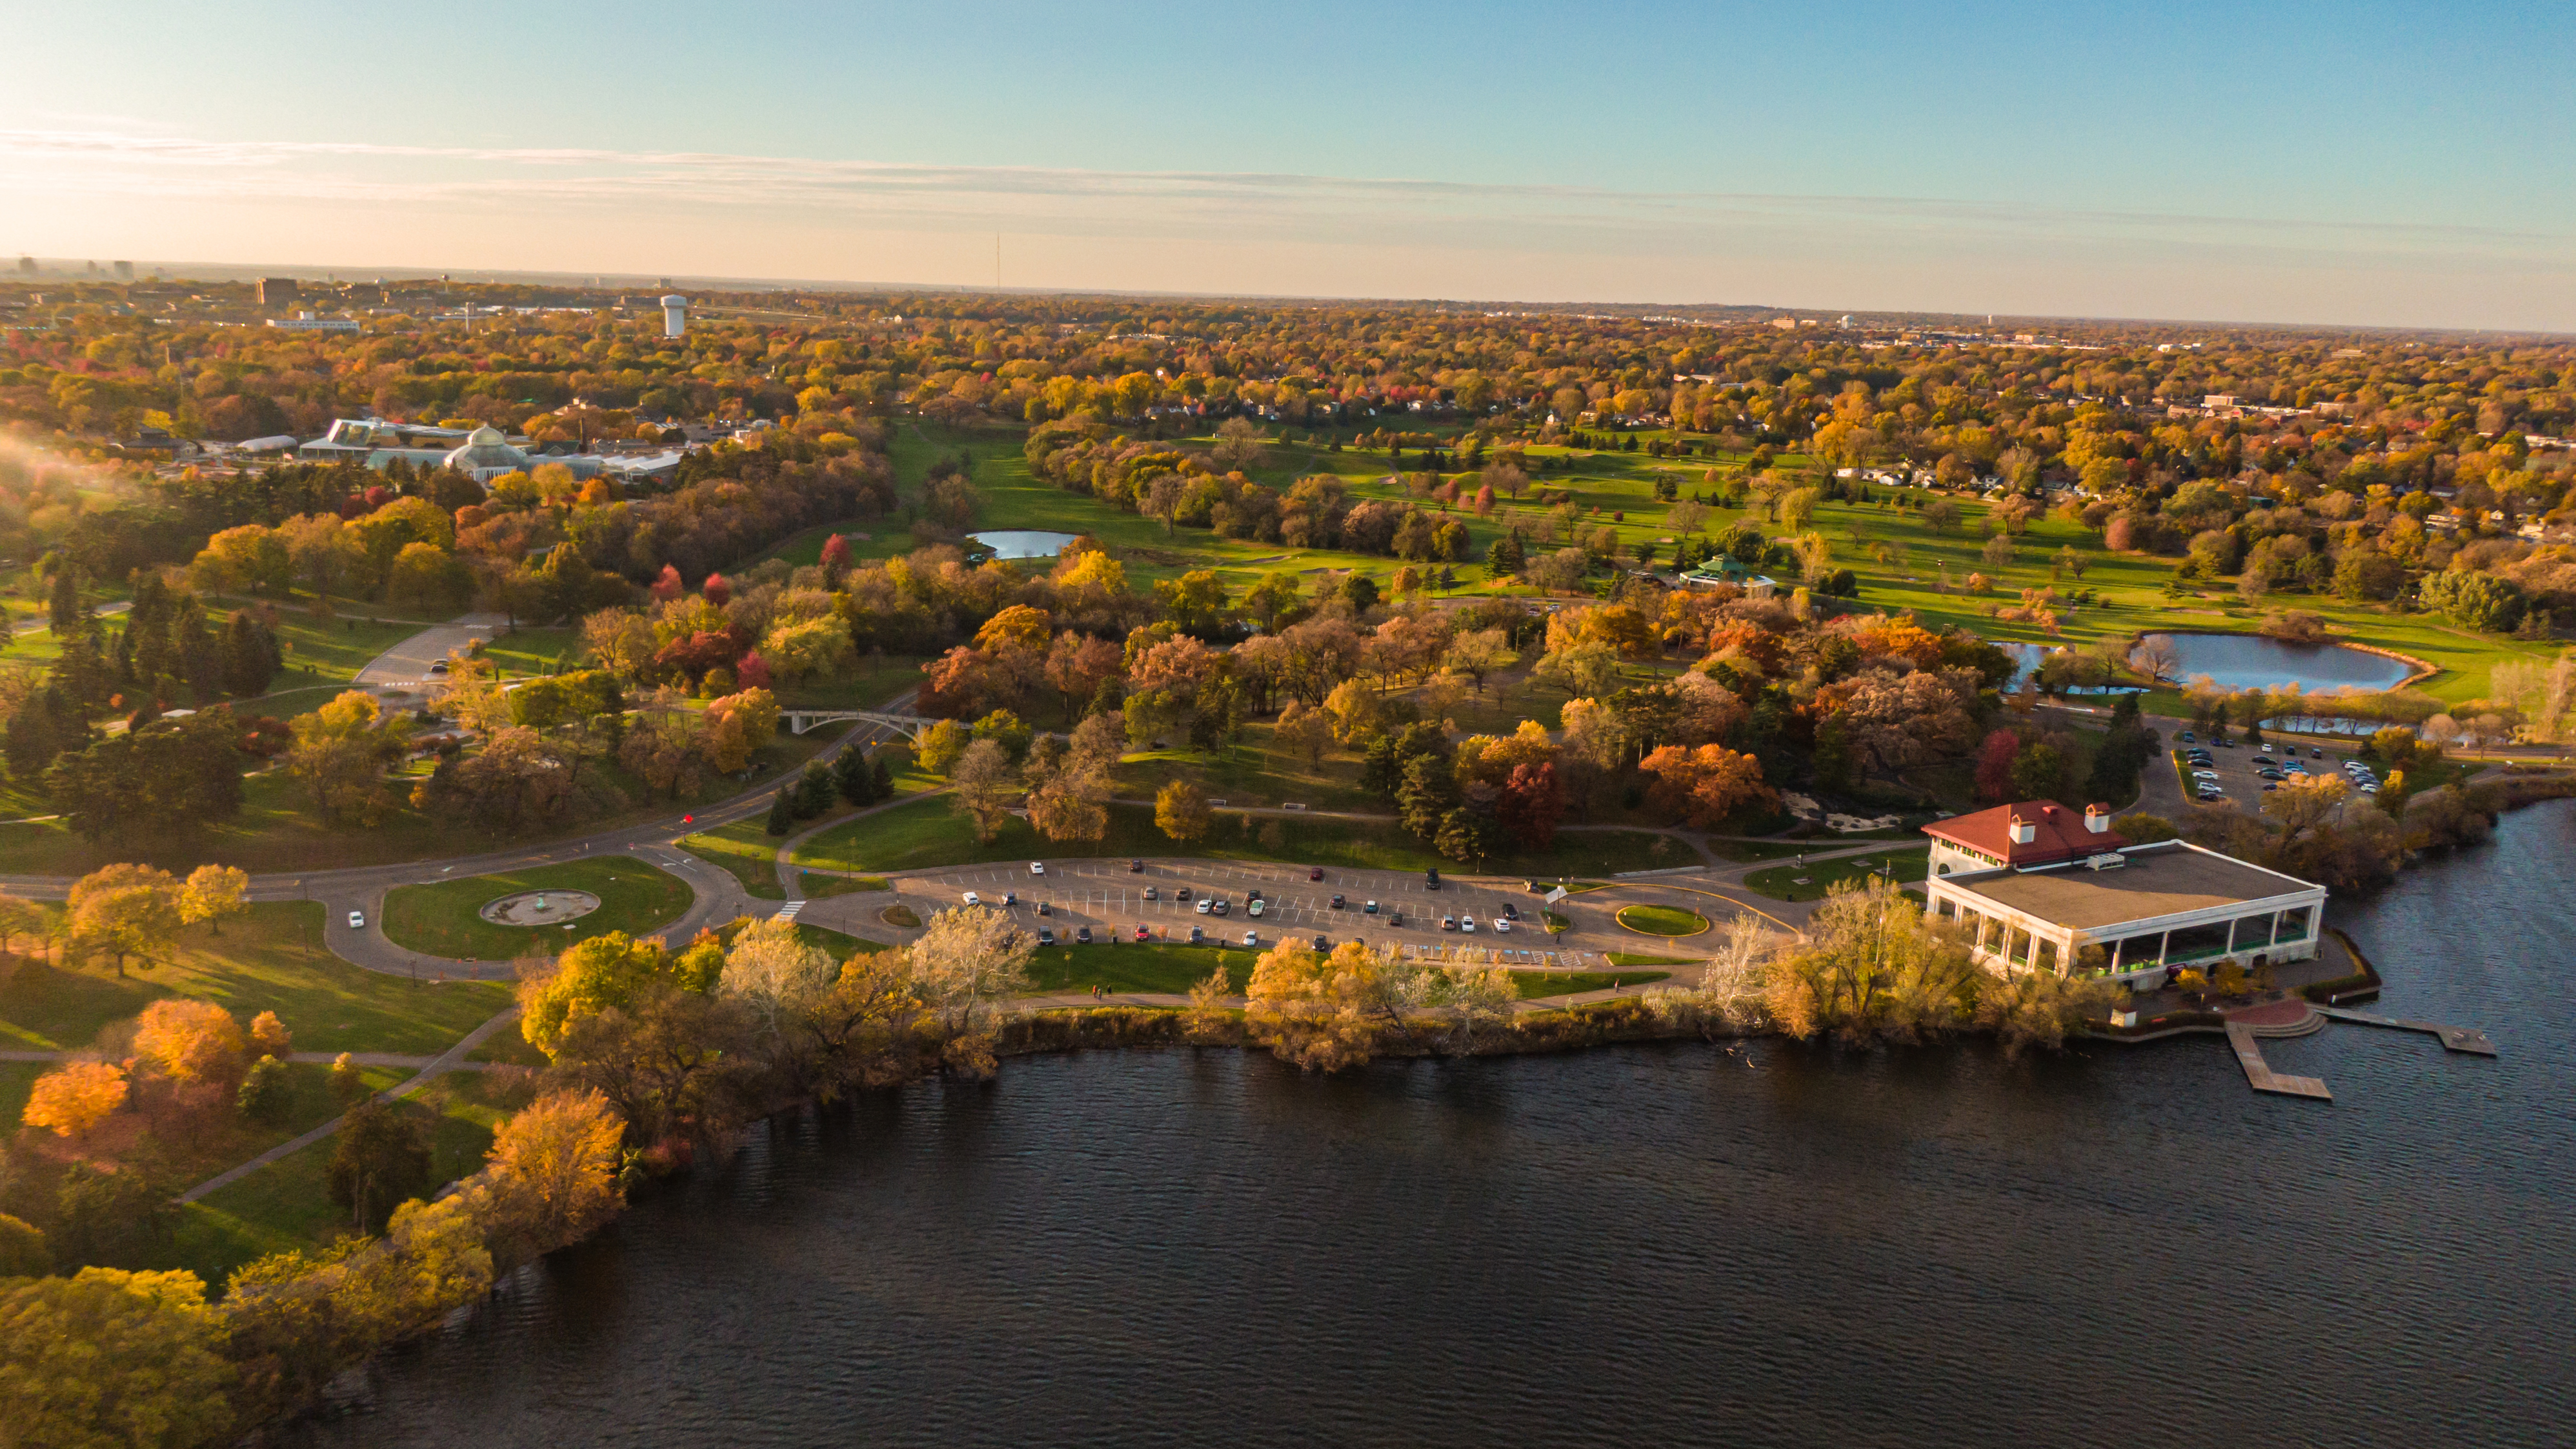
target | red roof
x=2057, y=833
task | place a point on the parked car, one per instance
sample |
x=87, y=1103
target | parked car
x=1252, y=938
x=1502, y=927
x=972, y=900
x=1197, y=935
x=1337, y=900
x=1448, y=923
x=1045, y=910
x=1396, y=920
x=357, y=920
x=1323, y=942
x=1252, y=895
x=1467, y=925
x=1431, y=880
x=1082, y=937
x=1255, y=908
x=1222, y=906
x=1141, y=933
x=1037, y=867
x=1046, y=935
x=2315, y=752
x=1010, y=900
x=1135, y=867
x=1204, y=904
x=1181, y=894
x=2185, y=737
x=2267, y=747
x=1369, y=910
x=1315, y=874
x=1151, y=894
x=1511, y=912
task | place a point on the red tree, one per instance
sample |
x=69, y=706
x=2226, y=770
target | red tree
x=668, y=586
x=1994, y=765
x=751, y=671
x=1532, y=804
x=716, y=590
x=836, y=553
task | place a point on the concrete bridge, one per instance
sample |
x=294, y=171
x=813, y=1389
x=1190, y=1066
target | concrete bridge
x=801, y=720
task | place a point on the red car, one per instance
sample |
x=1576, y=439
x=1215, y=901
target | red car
x=1316, y=874
x=1142, y=934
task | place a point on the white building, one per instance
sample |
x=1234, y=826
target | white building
x=675, y=315
x=2041, y=891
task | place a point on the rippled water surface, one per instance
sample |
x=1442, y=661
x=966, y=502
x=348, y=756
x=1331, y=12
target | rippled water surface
x=1656, y=1245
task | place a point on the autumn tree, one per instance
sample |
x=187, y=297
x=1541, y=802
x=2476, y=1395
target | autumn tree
x=1873, y=968
x=341, y=753
x=72, y=1100
x=381, y=1158
x=966, y=966
x=191, y=1042
x=213, y=892
x=985, y=785
x=107, y=1357
x=1181, y=812
x=552, y=1175
x=124, y=910
x=1705, y=785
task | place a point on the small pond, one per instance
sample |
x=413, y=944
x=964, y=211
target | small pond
x=2249, y=661
x=1011, y=543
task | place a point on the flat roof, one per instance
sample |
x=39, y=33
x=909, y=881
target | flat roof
x=2161, y=882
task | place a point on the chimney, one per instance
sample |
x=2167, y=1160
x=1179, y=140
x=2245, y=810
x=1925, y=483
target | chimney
x=2024, y=831
x=2097, y=819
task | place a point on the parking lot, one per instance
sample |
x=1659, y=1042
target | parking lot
x=2235, y=771
x=1109, y=898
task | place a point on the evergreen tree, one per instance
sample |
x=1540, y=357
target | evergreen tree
x=1507, y=555
x=200, y=657
x=1428, y=795
x=82, y=673
x=853, y=777
x=29, y=743
x=884, y=778
x=67, y=609
x=813, y=790
x=250, y=656
x=146, y=641
x=1382, y=769
x=782, y=811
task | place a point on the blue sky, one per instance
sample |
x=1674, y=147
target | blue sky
x=2350, y=163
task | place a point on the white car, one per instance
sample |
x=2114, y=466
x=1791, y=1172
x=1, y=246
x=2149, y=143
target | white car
x=1037, y=867
x=357, y=920
x=1252, y=938
x=1467, y=924
x=1502, y=927
x=973, y=899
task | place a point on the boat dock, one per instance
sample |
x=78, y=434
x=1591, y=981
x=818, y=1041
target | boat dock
x=2259, y=1074
x=2453, y=1038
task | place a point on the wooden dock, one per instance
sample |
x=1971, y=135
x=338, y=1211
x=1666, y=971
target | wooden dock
x=2259, y=1074
x=2467, y=1039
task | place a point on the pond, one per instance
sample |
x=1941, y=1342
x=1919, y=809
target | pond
x=2250, y=661
x=1013, y=543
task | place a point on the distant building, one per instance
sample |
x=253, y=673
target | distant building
x=307, y=322
x=675, y=315
x=124, y=271
x=2041, y=889
x=278, y=291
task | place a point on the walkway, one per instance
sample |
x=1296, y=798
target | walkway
x=406, y=665
x=450, y=1060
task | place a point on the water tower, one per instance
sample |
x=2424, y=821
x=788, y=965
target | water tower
x=675, y=315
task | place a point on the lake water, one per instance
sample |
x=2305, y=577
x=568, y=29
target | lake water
x=2249, y=661
x=1673, y=1244
x=1023, y=543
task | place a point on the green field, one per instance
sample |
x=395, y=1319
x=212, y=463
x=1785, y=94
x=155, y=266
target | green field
x=441, y=919
x=270, y=958
x=924, y=833
x=1662, y=920
x=745, y=848
x=1135, y=966
x=1781, y=882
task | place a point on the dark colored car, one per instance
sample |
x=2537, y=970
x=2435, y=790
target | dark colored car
x=1337, y=900
x=1511, y=912
x=1316, y=874
x=1181, y=894
x=1431, y=880
x=1323, y=942
x=1217, y=906
x=1396, y=920
x=1252, y=895
x=1082, y=937
x=1197, y=935
x=1045, y=910
x=1046, y=935
x=1135, y=867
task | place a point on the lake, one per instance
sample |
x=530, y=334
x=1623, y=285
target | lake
x=1774, y=1245
x=1023, y=543
x=2250, y=661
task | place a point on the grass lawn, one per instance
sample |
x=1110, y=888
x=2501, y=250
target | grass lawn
x=747, y=849
x=1136, y=966
x=811, y=886
x=270, y=958
x=926, y=833
x=1662, y=920
x=1781, y=882
x=17, y=1079
x=1631, y=958
x=1534, y=984
x=287, y=1204
x=525, y=651
x=441, y=919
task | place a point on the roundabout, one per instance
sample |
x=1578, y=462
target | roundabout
x=1661, y=920
x=539, y=908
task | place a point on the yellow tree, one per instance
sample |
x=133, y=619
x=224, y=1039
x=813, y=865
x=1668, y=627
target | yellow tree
x=553, y=1171
x=124, y=910
x=191, y=1041
x=74, y=1099
x=213, y=892
x=112, y=1358
x=1181, y=811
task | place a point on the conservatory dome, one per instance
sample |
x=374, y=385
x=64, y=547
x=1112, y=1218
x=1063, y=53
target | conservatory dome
x=486, y=455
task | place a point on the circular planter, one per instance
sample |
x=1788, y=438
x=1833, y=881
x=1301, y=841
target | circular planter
x=539, y=908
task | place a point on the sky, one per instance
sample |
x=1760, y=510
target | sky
x=2354, y=163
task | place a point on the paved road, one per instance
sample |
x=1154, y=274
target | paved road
x=406, y=665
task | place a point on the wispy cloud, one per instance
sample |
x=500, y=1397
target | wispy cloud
x=566, y=182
